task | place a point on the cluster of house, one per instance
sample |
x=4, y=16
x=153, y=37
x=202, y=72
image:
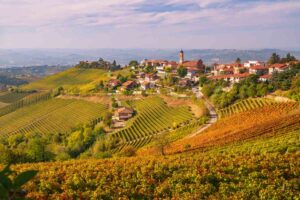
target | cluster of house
x=162, y=69
x=236, y=72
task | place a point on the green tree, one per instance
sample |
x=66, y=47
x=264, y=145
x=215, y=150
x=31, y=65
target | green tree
x=275, y=58
x=133, y=63
x=161, y=143
x=37, y=151
x=182, y=71
x=238, y=61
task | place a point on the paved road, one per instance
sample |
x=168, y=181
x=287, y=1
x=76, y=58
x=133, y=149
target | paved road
x=213, y=117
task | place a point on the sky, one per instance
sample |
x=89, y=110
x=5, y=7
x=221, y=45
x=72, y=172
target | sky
x=163, y=24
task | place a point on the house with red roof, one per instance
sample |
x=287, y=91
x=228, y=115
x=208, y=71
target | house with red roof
x=278, y=67
x=258, y=70
x=265, y=77
x=124, y=113
x=113, y=83
x=128, y=85
x=251, y=63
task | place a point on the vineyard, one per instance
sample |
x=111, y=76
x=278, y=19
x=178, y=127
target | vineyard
x=68, y=78
x=50, y=116
x=10, y=97
x=244, y=105
x=268, y=171
x=270, y=119
x=28, y=100
x=153, y=117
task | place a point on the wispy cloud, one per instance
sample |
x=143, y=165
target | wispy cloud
x=176, y=16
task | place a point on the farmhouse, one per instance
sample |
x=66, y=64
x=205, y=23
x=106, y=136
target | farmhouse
x=112, y=83
x=258, y=70
x=128, y=85
x=278, y=68
x=150, y=77
x=265, y=77
x=252, y=63
x=124, y=113
x=184, y=82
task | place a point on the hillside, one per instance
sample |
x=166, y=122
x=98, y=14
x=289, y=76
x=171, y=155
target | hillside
x=270, y=171
x=67, y=78
x=153, y=117
x=50, y=116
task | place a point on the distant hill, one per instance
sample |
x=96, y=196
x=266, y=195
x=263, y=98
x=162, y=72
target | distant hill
x=38, y=57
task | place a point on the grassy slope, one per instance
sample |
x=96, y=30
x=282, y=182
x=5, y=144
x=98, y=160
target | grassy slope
x=51, y=116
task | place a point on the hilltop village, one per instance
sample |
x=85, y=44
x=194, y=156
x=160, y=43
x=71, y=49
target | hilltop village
x=178, y=76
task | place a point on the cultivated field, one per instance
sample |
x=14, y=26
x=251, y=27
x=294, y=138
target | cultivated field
x=237, y=171
x=50, y=116
x=153, y=117
x=269, y=119
x=244, y=105
x=11, y=97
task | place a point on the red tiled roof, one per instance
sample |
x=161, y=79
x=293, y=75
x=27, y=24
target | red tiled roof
x=125, y=110
x=278, y=65
x=258, y=67
x=114, y=81
x=127, y=83
x=156, y=61
x=194, y=63
x=227, y=69
x=267, y=76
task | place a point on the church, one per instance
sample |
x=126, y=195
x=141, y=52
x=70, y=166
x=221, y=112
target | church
x=192, y=65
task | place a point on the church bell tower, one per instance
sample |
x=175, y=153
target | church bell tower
x=181, y=57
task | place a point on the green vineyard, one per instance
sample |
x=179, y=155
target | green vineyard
x=10, y=97
x=153, y=117
x=28, y=100
x=51, y=116
x=243, y=105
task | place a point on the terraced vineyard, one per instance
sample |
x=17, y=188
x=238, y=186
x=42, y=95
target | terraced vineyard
x=28, y=100
x=51, y=116
x=68, y=78
x=154, y=117
x=275, y=118
x=244, y=105
x=10, y=97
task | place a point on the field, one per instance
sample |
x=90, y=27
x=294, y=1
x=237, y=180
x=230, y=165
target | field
x=11, y=97
x=244, y=105
x=74, y=79
x=50, y=116
x=269, y=119
x=28, y=100
x=237, y=171
x=153, y=117
x=68, y=78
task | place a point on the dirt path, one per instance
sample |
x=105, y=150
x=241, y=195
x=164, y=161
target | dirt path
x=213, y=117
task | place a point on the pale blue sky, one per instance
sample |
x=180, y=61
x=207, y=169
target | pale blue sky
x=184, y=24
